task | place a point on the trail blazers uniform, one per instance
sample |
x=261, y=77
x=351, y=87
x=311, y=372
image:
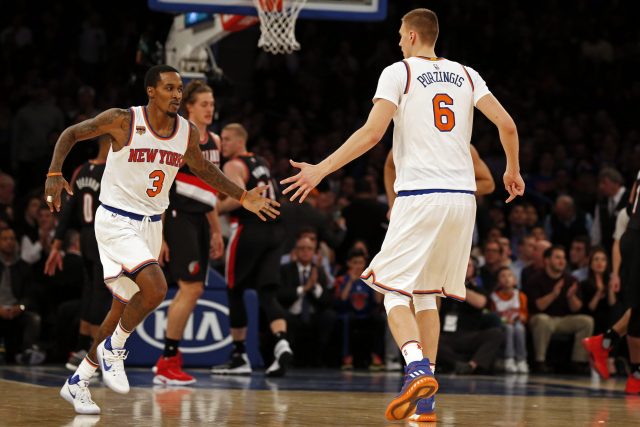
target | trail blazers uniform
x=79, y=212
x=255, y=247
x=186, y=228
x=630, y=251
x=134, y=194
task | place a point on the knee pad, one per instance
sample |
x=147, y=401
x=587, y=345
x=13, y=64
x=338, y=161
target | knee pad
x=634, y=323
x=392, y=299
x=424, y=302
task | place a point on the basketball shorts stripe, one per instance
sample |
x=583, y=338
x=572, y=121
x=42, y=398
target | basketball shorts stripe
x=427, y=246
x=126, y=246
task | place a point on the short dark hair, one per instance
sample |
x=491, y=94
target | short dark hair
x=549, y=251
x=494, y=241
x=612, y=175
x=152, y=77
x=306, y=229
x=355, y=253
x=584, y=240
x=501, y=269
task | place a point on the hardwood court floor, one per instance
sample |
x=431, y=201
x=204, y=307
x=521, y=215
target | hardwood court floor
x=29, y=397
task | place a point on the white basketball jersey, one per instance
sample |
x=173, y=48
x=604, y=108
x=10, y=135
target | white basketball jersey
x=433, y=123
x=138, y=177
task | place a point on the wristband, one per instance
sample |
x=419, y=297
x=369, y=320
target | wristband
x=54, y=174
x=244, y=194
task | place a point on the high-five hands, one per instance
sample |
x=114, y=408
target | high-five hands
x=261, y=206
x=303, y=182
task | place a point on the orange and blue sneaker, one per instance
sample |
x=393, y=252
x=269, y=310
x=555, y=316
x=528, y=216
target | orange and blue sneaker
x=419, y=383
x=425, y=411
x=597, y=354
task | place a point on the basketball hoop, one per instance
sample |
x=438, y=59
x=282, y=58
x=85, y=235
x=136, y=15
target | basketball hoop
x=278, y=24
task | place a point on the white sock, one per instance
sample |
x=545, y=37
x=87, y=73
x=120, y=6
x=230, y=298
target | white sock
x=412, y=351
x=119, y=336
x=86, y=369
x=433, y=367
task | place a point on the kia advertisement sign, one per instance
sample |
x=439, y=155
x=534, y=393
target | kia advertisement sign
x=202, y=333
x=206, y=340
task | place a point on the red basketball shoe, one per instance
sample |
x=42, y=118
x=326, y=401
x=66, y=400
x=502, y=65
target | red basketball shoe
x=633, y=385
x=169, y=372
x=598, y=354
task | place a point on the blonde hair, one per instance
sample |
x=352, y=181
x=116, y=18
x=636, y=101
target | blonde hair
x=191, y=91
x=425, y=23
x=238, y=129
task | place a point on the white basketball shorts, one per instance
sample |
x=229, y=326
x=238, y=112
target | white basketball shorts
x=126, y=246
x=427, y=246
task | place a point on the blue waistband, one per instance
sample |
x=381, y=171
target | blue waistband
x=131, y=215
x=404, y=193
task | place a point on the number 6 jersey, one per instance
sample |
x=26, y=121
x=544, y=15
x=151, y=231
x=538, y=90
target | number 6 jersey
x=433, y=123
x=138, y=177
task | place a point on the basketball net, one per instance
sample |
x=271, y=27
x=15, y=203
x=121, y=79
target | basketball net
x=278, y=24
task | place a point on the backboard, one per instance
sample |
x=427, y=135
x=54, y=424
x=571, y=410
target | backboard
x=347, y=10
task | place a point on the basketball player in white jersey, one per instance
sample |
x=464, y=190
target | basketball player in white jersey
x=425, y=409
x=148, y=145
x=426, y=249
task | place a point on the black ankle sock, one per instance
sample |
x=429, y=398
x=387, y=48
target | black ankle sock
x=238, y=347
x=610, y=339
x=84, y=342
x=282, y=335
x=170, y=347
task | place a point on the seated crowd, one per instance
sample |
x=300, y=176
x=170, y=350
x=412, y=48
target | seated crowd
x=530, y=300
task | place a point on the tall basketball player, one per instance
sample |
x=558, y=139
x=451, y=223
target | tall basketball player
x=426, y=249
x=148, y=145
x=192, y=233
x=425, y=410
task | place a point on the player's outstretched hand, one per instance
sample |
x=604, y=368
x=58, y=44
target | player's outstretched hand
x=305, y=181
x=254, y=201
x=53, y=187
x=514, y=184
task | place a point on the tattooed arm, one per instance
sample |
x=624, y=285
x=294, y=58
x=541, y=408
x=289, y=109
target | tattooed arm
x=113, y=122
x=212, y=175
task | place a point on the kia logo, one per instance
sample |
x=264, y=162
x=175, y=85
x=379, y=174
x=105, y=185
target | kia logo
x=207, y=331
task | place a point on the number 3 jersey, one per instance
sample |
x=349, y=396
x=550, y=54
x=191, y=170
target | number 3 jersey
x=433, y=123
x=138, y=177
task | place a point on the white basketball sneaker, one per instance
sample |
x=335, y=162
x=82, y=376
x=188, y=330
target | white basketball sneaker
x=238, y=365
x=283, y=356
x=111, y=362
x=76, y=392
